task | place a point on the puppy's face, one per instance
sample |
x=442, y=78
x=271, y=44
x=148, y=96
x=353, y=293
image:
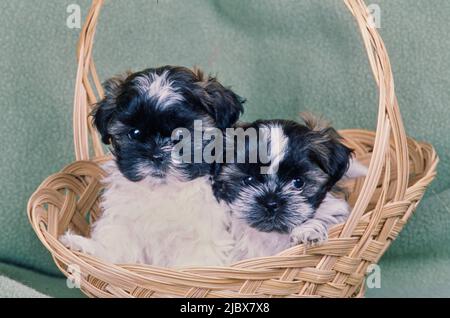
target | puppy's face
x=142, y=112
x=304, y=165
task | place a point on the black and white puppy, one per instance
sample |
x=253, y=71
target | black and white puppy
x=158, y=209
x=287, y=199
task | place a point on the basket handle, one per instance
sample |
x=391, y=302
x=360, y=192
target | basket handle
x=85, y=95
x=389, y=125
x=389, y=119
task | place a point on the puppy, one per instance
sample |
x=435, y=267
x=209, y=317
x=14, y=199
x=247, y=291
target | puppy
x=158, y=209
x=287, y=199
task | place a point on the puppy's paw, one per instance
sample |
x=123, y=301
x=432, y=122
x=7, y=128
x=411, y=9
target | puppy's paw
x=309, y=234
x=77, y=243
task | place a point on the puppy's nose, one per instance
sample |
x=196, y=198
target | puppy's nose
x=158, y=157
x=272, y=205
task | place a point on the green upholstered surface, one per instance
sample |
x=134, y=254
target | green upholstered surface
x=284, y=56
x=12, y=289
x=16, y=282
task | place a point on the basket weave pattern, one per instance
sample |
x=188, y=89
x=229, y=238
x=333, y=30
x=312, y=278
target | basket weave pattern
x=400, y=170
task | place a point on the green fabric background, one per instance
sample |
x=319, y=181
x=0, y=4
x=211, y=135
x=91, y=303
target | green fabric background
x=284, y=56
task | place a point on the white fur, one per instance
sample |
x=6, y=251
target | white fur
x=355, y=170
x=160, y=87
x=314, y=231
x=278, y=147
x=252, y=243
x=171, y=223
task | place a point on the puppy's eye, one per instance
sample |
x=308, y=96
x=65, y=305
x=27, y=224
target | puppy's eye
x=134, y=134
x=248, y=180
x=298, y=183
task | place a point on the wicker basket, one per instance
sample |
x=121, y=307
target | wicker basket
x=399, y=172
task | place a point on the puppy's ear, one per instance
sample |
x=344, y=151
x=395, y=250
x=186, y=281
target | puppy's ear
x=326, y=148
x=104, y=110
x=221, y=103
x=313, y=122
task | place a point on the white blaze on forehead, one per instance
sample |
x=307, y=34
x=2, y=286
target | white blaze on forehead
x=159, y=87
x=278, y=148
